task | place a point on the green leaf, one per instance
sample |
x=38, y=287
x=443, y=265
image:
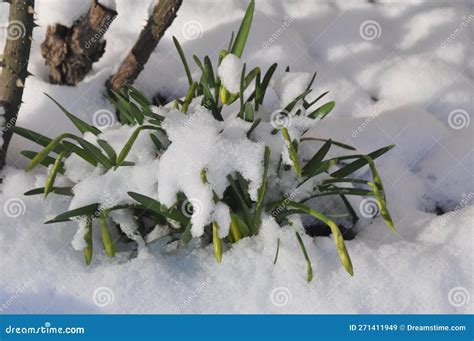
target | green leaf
x=265, y=83
x=89, y=210
x=336, y=143
x=35, y=137
x=243, y=205
x=107, y=242
x=187, y=236
x=378, y=189
x=317, y=159
x=277, y=251
x=44, y=153
x=337, y=235
x=67, y=191
x=243, y=32
x=234, y=229
x=323, y=110
x=108, y=150
x=308, y=105
x=155, y=206
x=311, y=81
x=128, y=146
x=309, y=268
x=248, y=113
x=291, y=151
x=47, y=161
x=242, y=226
x=52, y=176
x=80, y=124
x=361, y=162
x=254, y=125
x=183, y=60
x=241, y=92
x=292, y=104
x=88, y=239
x=189, y=97
x=208, y=72
x=216, y=242
x=156, y=141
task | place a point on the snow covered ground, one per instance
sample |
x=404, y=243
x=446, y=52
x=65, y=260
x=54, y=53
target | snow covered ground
x=400, y=72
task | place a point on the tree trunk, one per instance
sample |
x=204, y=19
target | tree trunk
x=14, y=64
x=159, y=21
x=71, y=51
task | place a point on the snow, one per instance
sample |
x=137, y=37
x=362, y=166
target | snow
x=408, y=81
x=230, y=72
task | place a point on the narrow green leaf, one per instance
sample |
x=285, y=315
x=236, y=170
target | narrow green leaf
x=52, y=176
x=44, y=153
x=187, y=236
x=183, y=60
x=128, y=146
x=323, y=110
x=156, y=141
x=361, y=162
x=277, y=251
x=336, y=143
x=378, y=189
x=291, y=151
x=265, y=83
x=216, y=242
x=47, y=161
x=108, y=150
x=80, y=124
x=107, y=241
x=254, y=125
x=317, y=159
x=89, y=210
x=88, y=239
x=242, y=34
x=309, y=104
x=337, y=235
x=155, y=206
x=309, y=268
x=67, y=191
x=189, y=97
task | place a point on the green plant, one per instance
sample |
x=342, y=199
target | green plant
x=246, y=214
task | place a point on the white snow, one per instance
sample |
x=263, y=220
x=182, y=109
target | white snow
x=230, y=72
x=407, y=81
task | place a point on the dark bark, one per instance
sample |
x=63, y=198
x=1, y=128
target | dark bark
x=71, y=51
x=161, y=18
x=14, y=66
